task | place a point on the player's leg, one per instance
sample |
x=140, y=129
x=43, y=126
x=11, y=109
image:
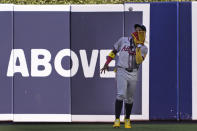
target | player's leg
x=118, y=108
x=131, y=87
x=129, y=100
x=121, y=91
x=128, y=109
x=120, y=95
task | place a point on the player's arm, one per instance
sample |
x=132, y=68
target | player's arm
x=141, y=52
x=112, y=54
x=110, y=57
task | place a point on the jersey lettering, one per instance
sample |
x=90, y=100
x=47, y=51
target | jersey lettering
x=128, y=49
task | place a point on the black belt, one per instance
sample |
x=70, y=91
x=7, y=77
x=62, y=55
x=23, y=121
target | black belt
x=128, y=69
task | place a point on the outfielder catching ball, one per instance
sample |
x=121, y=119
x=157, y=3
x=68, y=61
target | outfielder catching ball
x=132, y=52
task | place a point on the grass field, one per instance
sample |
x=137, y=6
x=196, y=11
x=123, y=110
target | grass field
x=99, y=127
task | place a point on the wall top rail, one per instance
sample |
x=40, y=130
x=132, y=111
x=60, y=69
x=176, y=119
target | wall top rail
x=41, y=7
x=98, y=8
x=6, y=7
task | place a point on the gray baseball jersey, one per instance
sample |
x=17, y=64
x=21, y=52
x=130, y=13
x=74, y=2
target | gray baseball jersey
x=126, y=81
x=126, y=59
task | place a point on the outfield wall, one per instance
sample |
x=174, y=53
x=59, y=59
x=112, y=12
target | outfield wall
x=51, y=56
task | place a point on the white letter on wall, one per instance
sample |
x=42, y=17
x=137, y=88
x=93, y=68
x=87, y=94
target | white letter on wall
x=103, y=55
x=58, y=66
x=13, y=68
x=88, y=69
x=36, y=62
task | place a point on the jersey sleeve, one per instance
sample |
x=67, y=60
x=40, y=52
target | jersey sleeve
x=118, y=44
x=144, y=51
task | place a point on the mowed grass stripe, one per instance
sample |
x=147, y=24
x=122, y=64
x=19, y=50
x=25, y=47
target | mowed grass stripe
x=96, y=127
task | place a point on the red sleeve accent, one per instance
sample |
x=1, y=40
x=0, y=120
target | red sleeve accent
x=109, y=59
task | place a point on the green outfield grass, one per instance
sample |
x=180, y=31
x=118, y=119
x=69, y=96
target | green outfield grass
x=98, y=127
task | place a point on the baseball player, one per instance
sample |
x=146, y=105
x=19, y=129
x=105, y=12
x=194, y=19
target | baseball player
x=132, y=52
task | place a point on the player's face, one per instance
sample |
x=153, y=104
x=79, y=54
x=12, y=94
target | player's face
x=138, y=29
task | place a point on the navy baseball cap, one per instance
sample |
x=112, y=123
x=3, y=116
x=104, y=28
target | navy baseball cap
x=141, y=26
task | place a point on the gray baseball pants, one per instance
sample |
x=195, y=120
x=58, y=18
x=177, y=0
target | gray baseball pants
x=126, y=85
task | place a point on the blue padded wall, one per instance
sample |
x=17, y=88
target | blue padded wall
x=163, y=61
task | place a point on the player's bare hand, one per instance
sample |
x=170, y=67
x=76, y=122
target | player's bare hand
x=104, y=69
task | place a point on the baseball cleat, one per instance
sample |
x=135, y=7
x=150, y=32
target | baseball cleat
x=127, y=123
x=116, y=123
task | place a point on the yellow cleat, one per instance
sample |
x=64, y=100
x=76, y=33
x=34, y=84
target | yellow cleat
x=127, y=123
x=116, y=123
